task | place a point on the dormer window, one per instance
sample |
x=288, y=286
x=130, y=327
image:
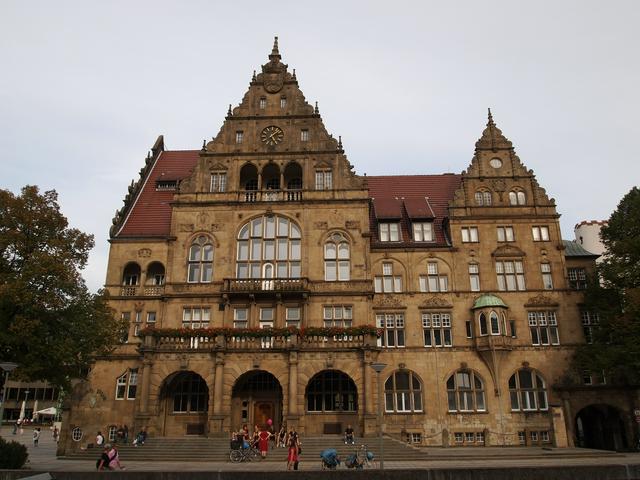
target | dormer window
x=389, y=232
x=423, y=232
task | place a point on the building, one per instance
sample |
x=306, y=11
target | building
x=261, y=277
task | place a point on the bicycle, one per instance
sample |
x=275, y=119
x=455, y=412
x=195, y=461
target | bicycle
x=238, y=454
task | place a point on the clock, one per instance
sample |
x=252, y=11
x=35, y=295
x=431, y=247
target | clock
x=495, y=162
x=272, y=135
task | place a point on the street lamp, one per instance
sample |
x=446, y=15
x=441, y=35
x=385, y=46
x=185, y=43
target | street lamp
x=379, y=367
x=7, y=368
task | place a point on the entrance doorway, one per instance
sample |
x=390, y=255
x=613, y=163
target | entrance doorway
x=256, y=399
x=601, y=427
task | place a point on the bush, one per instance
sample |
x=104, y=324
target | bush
x=13, y=455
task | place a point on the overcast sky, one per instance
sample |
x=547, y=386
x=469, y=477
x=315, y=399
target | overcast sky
x=87, y=86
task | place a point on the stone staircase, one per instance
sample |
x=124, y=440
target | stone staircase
x=200, y=449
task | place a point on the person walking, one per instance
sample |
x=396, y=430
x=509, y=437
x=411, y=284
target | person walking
x=56, y=434
x=293, y=445
x=36, y=436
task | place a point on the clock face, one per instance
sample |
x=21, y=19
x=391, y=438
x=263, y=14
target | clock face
x=272, y=135
x=495, y=162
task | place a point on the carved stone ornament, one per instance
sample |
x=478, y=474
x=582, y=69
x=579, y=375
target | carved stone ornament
x=138, y=306
x=541, y=301
x=274, y=71
x=387, y=302
x=320, y=225
x=217, y=227
x=144, y=252
x=508, y=251
x=186, y=227
x=213, y=165
x=499, y=185
x=203, y=218
x=435, y=302
x=352, y=224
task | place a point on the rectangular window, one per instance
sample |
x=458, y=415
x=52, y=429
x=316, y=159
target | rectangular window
x=337, y=316
x=126, y=317
x=437, y=329
x=469, y=234
x=263, y=103
x=196, y=317
x=470, y=437
x=433, y=282
x=239, y=136
x=505, y=234
x=133, y=384
x=547, y=279
x=392, y=325
x=151, y=319
x=522, y=438
x=474, y=277
x=304, y=135
x=389, y=232
x=577, y=278
x=293, y=316
x=510, y=275
x=533, y=436
x=590, y=321
x=459, y=437
x=544, y=328
x=544, y=436
x=240, y=317
x=388, y=282
x=512, y=325
x=540, y=233
x=283, y=102
x=121, y=387
x=468, y=329
x=423, y=232
x=218, y=182
x=324, y=180
x=415, y=437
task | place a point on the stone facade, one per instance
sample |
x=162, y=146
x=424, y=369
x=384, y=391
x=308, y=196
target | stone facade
x=268, y=226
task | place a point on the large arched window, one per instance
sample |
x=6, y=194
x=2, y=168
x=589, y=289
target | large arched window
x=269, y=247
x=200, y=268
x=131, y=274
x=527, y=391
x=190, y=393
x=331, y=391
x=403, y=392
x=336, y=258
x=465, y=392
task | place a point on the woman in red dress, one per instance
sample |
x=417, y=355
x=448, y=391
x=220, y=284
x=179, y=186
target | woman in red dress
x=263, y=442
x=293, y=445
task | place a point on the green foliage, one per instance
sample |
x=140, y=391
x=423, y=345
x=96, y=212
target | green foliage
x=13, y=455
x=616, y=344
x=50, y=324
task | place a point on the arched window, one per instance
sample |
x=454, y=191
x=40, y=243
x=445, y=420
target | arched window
x=495, y=323
x=336, y=258
x=190, y=393
x=131, y=274
x=403, y=392
x=483, y=198
x=200, y=268
x=127, y=384
x=465, y=392
x=482, y=320
x=517, y=197
x=527, y=390
x=269, y=245
x=331, y=391
x=155, y=274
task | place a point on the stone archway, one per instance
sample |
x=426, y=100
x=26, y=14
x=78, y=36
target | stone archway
x=184, y=402
x=600, y=426
x=256, y=398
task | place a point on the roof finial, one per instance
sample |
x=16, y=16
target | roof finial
x=229, y=113
x=275, y=53
x=490, y=121
x=339, y=142
x=204, y=144
x=316, y=109
x=294, y=74
x=253, y=79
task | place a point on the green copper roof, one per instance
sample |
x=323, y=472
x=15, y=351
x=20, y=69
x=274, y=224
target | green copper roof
x=574, y=249
x=488, y=301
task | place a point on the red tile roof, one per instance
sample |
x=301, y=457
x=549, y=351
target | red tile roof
x=151, y=212
x=418, y=208
x=413, y=189
x=387, y=208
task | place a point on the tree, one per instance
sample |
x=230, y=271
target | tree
x=50, y=324
x=616, y=298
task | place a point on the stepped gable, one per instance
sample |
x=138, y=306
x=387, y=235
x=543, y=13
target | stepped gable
x=274, y=100
x=412, y=198
x=512, y=173
x=150, y=211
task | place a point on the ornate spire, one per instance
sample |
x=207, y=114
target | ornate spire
x=340, y=142
x=229, y=112
x=294, y=74
x=274, y=51
x=316, y=110
x=492, y=137
x=253, y=79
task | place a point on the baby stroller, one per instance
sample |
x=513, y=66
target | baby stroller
x=330, y=459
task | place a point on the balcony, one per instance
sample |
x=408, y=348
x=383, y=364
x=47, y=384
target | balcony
x=240, y=286
x=137, y=290
x=252, y=196
x=493, y=342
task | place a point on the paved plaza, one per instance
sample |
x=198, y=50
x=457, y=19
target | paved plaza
x=43, y=458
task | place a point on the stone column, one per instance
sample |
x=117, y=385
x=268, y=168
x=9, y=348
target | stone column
x=568, y=419
x=216, y=423
x=146, y=382
x=370, y=418
x=293, y=383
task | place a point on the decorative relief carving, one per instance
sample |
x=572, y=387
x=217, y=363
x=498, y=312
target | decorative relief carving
x=435, y=302
x=508, y=251
x=202, y=218
x=387, y=302
x=144, y=252
x=214, y=165
x=541, y=301
x=138, y=306
x=217, y=227
x=186, y=227
x=352, y=224
x=320, y=225
x=499, y=185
